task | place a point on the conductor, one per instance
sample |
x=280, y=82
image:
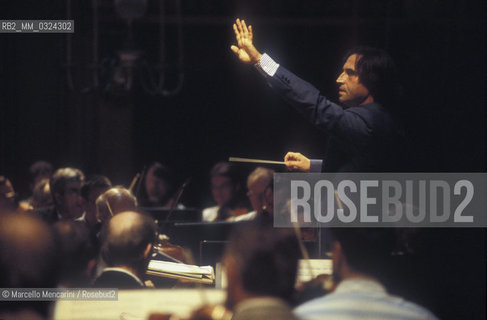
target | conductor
x=362, y=135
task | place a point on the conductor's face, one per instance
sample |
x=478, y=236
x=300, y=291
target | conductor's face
x=351, y=91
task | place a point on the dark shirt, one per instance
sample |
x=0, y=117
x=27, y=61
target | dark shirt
x=365, y=138
x=48, y=214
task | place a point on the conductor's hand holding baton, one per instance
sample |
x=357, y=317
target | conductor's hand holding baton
x=295, y=161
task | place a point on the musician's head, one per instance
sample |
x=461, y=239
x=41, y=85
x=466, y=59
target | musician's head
x=260, y=184
x=361, y=251
x=226, y=183
x=127, y=241
x=41, y=195
x=369, y=75
x=7, y=196
x=260, y=261
x=114, y=201
x=38, y=171
x=78, y=251
x=158, y=184
x=28, y=259
x=65, y=185
x=92, y=188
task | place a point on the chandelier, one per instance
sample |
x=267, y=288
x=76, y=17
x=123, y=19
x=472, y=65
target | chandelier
x=129, y=66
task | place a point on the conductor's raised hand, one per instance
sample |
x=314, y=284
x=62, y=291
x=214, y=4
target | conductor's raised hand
x=295, y=161
x=245, y=49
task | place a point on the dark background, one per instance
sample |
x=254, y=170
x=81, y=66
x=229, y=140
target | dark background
x=51, y=109
x=224, y=109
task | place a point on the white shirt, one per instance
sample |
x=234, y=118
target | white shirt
x=210, y=214
x=361, y=299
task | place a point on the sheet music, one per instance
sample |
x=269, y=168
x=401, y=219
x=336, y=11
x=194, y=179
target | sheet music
x=138, y=304
x=158, y=265
x=312, y=267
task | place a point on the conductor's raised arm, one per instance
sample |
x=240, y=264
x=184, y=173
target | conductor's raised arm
x=245, y=49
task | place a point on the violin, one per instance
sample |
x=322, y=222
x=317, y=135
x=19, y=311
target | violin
x=169, y=250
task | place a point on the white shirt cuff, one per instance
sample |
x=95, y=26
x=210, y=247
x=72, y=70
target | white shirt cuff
x=266, y=65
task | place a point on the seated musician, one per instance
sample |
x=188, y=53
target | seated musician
x=360, y=257
x=158, y=188
x=261, y=193
x=126, y=247
x=261, y=266
x=113, y=201
x=228, y=193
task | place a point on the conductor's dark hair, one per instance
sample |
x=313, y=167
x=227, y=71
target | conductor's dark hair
x=378, y=73
x=267, y=258
x=367, y=250
x=125, y=245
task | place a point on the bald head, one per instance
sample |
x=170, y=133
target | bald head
x=128, y=221
x=126, y=238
